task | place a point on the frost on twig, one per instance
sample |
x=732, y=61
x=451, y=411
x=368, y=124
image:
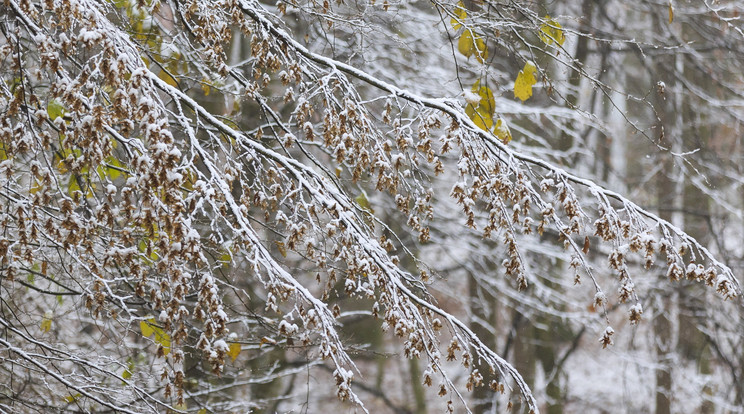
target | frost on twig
x=168, y=222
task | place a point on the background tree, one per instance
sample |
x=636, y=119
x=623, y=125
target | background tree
x=228, y=206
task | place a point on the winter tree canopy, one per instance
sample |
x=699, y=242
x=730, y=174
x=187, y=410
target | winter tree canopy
x=215, y=206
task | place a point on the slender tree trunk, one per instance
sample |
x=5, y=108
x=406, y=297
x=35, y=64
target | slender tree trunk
x=547, y=342
x=483, y=322
x=524, y=351
x=666, y=197
x=663, y=374
x=582, y=50
x=419, y=394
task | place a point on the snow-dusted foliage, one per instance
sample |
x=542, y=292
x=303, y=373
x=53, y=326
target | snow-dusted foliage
x=201, y=199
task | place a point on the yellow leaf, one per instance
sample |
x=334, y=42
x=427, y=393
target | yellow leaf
x=163, y=339
x=167, y=78
x=231, y=123
x=482, y=112
x=146, y=328
x=206, y=87
x=225, y=257
x=460, y=14
x=465, y=44
x=60, y=163
x=482, y=119
x=473, y=44
x=189, y=180
x=127, y=374
x=119, y=3
x=73, y=186
x=55, y=109
x=36, y=187
x=72, y=398
x=525, y=81
x=3, y=154
x=142, y=247
x=202, y=411
x=363, y=202
x=266, y=340
x=501, y=130
x=529, y=67
x=61, y=156
x=234, y=350
x=110, y=169
x=46, y=322
x=152, y=236
x=282, y=248
x=487, y=101
x=671, y=12
x=480, y=48
x=149, y=327
x=552, y=31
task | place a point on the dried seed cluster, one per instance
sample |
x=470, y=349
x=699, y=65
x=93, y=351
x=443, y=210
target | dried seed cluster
x=146, y=203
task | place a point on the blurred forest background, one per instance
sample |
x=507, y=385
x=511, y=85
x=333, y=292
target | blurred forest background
x=167, y=245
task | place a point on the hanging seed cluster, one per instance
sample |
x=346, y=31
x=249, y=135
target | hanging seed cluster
x=118, y=179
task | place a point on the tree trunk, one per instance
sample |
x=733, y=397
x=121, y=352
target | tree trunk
x=483, y=316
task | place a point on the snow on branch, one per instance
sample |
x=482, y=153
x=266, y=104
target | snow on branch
x=197, y=207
